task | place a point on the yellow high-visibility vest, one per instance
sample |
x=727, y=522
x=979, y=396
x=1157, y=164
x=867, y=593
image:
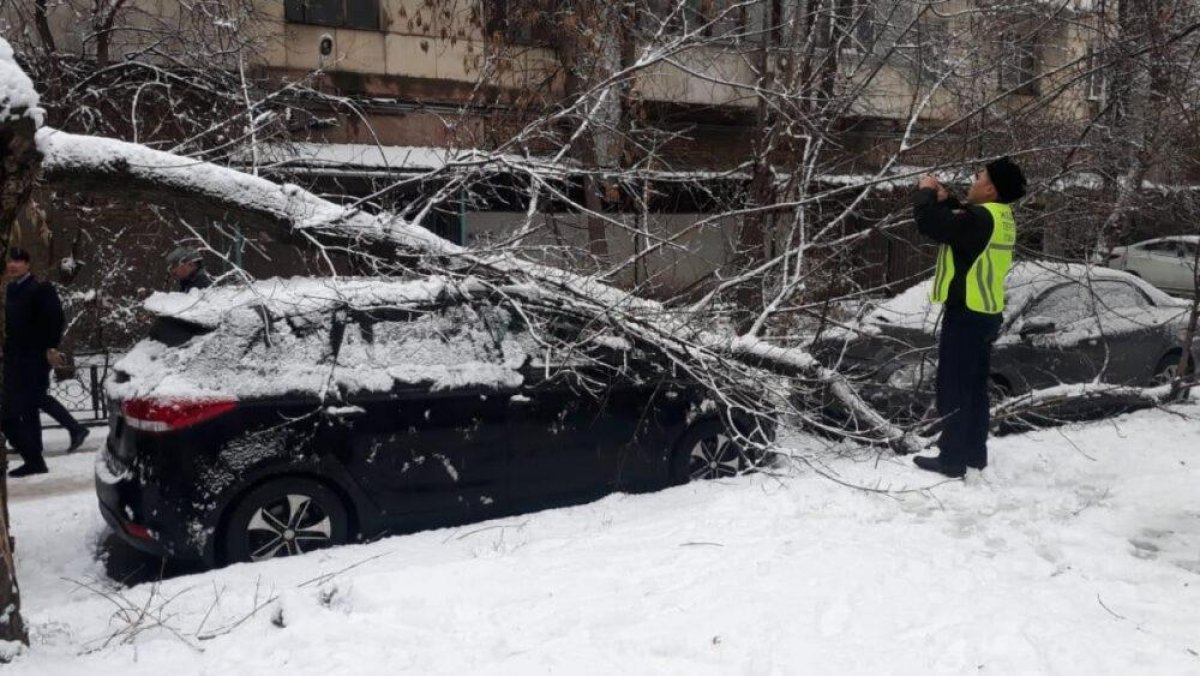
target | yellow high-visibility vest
x=985, y=277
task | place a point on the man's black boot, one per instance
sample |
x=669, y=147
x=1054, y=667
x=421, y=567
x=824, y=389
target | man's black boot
x=936, y=465
x=28, y=469
x=77, y=439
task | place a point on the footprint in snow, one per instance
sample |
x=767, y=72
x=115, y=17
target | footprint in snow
x=1171, y=542
x=1145, y=547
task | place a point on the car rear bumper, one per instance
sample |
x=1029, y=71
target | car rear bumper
x=115, y=510
x=143, y=519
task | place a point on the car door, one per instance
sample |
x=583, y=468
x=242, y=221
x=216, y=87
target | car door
x=1180, y=275
x=559, y=427
x=1126, y=332
x=1189, y=249
x=1157, y=262
x=441, y=456
x=580, y=430
x=422, y=450
x=1064, y=351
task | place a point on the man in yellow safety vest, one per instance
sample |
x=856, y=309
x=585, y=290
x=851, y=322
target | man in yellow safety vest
x=977, y=240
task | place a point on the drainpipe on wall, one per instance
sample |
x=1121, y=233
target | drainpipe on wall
x=462, y=218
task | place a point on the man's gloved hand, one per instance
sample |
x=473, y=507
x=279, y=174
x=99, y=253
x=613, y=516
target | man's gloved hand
x=933, y=184
x=55, y=359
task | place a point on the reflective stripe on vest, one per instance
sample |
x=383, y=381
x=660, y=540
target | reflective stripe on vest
x=985, y=278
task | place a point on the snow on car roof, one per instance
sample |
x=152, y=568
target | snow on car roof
x=458, y=345
x=286, y=297
x=912, y=308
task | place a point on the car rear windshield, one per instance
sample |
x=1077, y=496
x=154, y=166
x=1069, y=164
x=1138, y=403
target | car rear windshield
x=173, y=332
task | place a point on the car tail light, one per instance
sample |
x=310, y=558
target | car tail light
x=169, y=414
x=139, y=531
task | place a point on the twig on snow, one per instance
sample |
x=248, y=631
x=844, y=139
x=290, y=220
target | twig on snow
x=1110, y=610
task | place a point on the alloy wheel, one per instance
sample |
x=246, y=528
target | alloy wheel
x=714, y=457
x=288, y=526
x=1166, y=375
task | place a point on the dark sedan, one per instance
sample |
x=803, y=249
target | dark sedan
x=1062, y=324
x=296, y=414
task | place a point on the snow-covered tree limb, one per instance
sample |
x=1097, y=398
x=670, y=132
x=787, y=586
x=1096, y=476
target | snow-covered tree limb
x=89, y=163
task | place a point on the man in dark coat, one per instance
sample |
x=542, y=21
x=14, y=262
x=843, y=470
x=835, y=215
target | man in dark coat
x=187, y=267
x=33, y=328
x=977, y=241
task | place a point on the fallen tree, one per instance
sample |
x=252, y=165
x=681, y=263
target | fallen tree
x=395, y=246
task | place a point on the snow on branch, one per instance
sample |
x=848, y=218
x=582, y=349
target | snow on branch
x=1092, y=396
x=103, y=158
x=18, y=98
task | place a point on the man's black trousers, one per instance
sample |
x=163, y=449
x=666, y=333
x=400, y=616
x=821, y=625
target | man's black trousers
x=964, y=363
x=54, y=408
x=26, y=379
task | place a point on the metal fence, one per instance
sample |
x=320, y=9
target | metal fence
x=81, y=390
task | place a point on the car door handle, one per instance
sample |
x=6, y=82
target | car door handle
x=343, y=412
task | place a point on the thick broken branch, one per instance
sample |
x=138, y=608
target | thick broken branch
x=1066, y=401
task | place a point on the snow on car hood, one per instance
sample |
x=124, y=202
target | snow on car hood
x=276, y=338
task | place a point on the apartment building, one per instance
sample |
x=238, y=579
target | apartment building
x=426, y=82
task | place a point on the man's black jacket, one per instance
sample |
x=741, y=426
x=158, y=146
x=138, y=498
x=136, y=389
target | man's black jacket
x=34, y=319
x=197, y=280
x=965, y=228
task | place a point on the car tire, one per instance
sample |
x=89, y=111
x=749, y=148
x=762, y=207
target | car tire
x=1168, y=368
x=708, y=451
x=998, y=390
x=287, y=516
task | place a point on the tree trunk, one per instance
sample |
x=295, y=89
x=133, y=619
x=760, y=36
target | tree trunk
x=19, y=165
x=753, y=232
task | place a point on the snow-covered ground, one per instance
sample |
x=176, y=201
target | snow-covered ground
x=1079, y=554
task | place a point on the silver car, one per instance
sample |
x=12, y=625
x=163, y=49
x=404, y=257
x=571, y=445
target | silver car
x=1167, y=262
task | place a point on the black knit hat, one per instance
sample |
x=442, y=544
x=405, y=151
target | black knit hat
x=18, y=254
x=1008, y=179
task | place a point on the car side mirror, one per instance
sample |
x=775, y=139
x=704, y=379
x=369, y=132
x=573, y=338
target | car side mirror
x=1035, y=326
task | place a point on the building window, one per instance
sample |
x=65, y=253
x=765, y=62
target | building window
x=515, y=23
x=925, y=48
x=1019, y=64
x=361, y=14
x=932, y=49
x=855, y=25
x=706, y=18
x=865, y=27
x=1095, y=81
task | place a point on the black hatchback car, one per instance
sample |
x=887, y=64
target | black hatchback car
x=289, y=415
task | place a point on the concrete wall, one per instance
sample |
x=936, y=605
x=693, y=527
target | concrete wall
x=561, y=240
